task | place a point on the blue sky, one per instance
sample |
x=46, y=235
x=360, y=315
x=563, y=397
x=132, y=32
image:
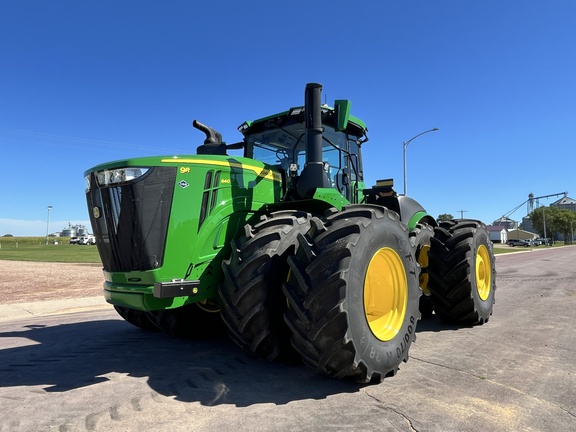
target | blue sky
x=85, y=82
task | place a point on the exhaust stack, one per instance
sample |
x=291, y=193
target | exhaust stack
x=313, y=175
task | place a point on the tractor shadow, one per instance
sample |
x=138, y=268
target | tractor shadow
x=68, y=356
x=434, y=323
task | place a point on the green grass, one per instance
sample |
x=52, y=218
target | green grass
x=498, y=250
x=36, y=249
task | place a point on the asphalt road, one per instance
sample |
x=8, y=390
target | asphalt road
x=92, y=371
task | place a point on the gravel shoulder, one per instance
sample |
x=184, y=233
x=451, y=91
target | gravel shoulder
x=25, y=282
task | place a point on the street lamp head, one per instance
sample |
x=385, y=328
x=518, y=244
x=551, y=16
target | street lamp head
x=49, y=207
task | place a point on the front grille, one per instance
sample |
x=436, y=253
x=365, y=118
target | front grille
x=133, y=220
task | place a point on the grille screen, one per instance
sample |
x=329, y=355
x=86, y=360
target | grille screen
x=131, y=230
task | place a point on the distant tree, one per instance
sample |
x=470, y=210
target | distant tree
x=445, y=217
x=7, y=235
x=545, y=213
x=557, y=221
x=566, y=222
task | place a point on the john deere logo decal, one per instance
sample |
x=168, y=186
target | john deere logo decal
x=183, y=184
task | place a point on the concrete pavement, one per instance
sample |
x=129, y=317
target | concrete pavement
x=51, y=307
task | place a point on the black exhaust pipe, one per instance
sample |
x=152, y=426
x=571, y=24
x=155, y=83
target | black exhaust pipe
x=312, y=106
x=313, y=175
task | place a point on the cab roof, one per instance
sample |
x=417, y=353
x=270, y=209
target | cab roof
x=296, y=115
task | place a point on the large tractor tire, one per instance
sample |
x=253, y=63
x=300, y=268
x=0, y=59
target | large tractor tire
x=252, y=297
x=462, y=272
x=138, y=318
x=194, y=321
x=353, y=294
x=420, y=239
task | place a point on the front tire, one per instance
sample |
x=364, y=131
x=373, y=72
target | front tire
x=141, y=319
x=353, y=294
x=253, y=302
x=193, y=321
x=462, y=272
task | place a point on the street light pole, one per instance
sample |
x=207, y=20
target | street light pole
x=544, y=218
x=406, y=145
x=48, y=223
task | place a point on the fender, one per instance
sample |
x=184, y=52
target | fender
x=411, y=213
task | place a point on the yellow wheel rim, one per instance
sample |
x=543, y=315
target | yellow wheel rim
x=423, y=261
x=385, y=294
x=483, y=272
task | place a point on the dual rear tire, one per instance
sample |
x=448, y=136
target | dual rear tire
x=462, y=272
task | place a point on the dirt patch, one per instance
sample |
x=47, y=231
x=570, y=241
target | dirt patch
x=23, y=281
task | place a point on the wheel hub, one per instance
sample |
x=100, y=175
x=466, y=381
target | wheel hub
x=385, y=294
x=483, y=272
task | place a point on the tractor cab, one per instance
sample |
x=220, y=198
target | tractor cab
x=281, y=140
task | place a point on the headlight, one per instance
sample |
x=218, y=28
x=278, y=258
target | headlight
x=87, y=178
x=119, y=175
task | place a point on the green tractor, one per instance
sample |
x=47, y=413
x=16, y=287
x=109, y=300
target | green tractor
x=285, y=247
